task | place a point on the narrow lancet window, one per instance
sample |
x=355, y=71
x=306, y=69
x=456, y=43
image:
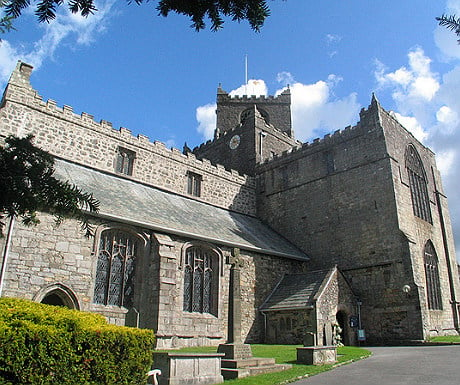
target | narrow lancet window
x=418, y=184
x=125, y=161
x=433, y=289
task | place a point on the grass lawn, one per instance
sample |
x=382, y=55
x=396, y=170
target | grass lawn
x=287, y=354
x=446, y=339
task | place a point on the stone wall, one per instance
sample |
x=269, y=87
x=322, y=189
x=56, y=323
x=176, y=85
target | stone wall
x=256, y=139
x=334, y=298
x=179, y=328
x=350, y=207
x=45, y=257
x=82, y=140
x=418, y=231
x=230, y=108
x=289, y=327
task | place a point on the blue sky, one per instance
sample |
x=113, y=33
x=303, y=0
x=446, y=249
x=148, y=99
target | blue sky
x=158, y=77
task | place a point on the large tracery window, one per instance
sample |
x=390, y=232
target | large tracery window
x=418, y=184
x=433, y=289
x=200, y=280
x=115, y=268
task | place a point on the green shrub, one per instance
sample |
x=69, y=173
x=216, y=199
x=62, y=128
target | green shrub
x=44, y=345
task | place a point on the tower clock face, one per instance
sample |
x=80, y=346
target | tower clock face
x=235, y=141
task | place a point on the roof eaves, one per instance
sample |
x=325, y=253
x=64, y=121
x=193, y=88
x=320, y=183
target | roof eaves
x=200, y=237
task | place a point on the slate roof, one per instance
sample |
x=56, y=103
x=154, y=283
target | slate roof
x=296, y=291
x=131, y=202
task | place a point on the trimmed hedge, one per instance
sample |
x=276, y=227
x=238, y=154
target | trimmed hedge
x=43, y=345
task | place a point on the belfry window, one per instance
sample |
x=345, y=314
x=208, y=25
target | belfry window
x=247, y=113
x=200, y=280
x=125, y=161
x=418, y=184
x=194, y=184
x=115, y=268
x=433, y=289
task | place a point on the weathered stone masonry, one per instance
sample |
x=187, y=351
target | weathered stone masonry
x=367, y=199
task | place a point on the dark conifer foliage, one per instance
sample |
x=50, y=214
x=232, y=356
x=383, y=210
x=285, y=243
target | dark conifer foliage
x=27, y=186
x=450, y=22
x=254, y=11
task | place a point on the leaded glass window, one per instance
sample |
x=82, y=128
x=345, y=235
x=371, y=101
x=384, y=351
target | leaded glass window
x=433, y=289
x=200, y=280
x=418, y=184
x=115, y=268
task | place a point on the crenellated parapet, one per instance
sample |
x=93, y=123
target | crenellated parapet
x=370, y=119
x=232, y=110
x=81, y=139
x=224, y=96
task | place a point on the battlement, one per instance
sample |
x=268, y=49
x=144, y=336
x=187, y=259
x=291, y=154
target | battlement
x=283, y=98
x=81, y=139
x=21, y=78
x=372, y=113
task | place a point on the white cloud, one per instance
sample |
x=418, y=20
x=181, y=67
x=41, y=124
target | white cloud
x=255, y=87
x=412, y=125
x=445, y=161
x=429, y=107
x=333, y=38
x=206, y=117
x=285, y=78
x=410, y=85
x=448, y=119
x=65, y=26
x=314, y=110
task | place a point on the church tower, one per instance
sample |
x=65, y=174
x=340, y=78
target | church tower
x=249, y=130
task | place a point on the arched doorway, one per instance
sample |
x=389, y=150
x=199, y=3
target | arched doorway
x=341, y=318
x=53, y=299
x=58, y=295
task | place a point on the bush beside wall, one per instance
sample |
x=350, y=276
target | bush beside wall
x=42, y=344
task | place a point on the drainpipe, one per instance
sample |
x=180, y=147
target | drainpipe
x=6, y=252
x=453, y=299
x=265, y=325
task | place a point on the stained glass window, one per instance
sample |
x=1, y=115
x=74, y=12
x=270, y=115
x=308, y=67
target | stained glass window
x=115, y=268
x=418, y=184
x=200, y=281
x=433, y=289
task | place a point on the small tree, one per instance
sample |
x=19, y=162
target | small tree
x=27, y=186
x=450, y=22
x=254, y=11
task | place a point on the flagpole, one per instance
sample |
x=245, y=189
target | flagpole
x=246, y=74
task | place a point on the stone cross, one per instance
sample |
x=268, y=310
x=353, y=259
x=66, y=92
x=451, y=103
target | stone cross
x=234, y=327
x=235, y=349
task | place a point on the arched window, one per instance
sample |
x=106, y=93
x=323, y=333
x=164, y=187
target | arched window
x=115, y=268
x=433, y=289
x=201, y=270
x=250, y=111
x=418, y=184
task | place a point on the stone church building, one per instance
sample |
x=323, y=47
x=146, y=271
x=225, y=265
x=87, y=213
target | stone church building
x=349, y=231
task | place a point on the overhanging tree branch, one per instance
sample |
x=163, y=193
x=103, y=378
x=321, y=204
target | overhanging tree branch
x=450, y=22
x=28, y=186
x=254, y=11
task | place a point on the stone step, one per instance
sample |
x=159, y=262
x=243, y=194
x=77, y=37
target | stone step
x=254, y=361
x=269, y=369
x=230, y=374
